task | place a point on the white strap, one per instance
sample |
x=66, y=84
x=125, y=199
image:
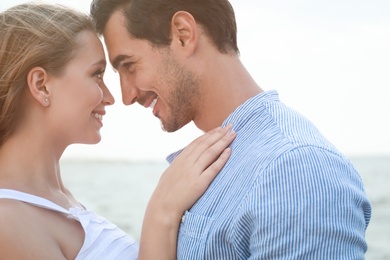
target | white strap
x=31, y=199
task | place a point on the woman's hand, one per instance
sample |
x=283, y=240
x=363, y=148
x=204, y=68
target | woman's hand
x=180, y=186
x=192, y=171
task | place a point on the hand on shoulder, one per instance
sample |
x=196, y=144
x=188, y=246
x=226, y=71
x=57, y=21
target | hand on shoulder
x=193, y=170
x=178, y=189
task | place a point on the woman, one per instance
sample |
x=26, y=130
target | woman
x=52, y=95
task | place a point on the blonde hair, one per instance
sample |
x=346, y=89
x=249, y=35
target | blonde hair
x=32, y=35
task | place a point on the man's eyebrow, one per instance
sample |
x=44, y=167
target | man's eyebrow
x=118, y=59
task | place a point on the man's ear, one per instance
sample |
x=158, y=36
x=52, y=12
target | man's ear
x=184, y=31
x=36, y=81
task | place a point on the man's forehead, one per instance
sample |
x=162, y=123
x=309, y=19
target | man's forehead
x=114, y=34
x=116, y=22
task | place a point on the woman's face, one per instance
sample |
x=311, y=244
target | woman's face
x=79, y=96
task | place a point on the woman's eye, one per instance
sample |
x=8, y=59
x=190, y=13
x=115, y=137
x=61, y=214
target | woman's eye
x=99, y=75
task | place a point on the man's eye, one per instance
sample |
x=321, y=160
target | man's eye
x=128, y=65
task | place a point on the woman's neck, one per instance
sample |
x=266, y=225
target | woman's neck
x=31, y=166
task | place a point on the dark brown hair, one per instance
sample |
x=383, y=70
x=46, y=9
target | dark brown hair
x=151, y=19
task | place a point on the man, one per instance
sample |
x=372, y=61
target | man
x=286, y=192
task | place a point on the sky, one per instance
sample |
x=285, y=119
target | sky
x=328, y=59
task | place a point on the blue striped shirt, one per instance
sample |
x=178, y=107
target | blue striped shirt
x=285, y=193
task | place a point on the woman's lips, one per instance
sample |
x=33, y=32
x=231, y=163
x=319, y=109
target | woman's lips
x=98, y=116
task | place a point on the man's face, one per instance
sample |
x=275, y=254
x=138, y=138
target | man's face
x=151, y=76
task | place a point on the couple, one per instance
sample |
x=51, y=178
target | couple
x=280, y=191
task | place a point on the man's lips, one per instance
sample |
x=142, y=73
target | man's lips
x=148, y=101
x=153, y=103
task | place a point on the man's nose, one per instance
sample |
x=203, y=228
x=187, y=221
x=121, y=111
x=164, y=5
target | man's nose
x=130, y=93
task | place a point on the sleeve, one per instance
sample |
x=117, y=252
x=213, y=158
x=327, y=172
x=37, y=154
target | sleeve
x=307, y=204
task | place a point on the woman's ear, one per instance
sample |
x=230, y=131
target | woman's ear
x=36, y=81
x=184, y=31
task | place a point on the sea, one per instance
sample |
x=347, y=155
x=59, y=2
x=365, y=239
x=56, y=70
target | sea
x=120, y=190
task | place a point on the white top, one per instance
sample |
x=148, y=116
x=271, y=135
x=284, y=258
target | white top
x=103, y=239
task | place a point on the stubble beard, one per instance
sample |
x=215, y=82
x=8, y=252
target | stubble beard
x=183, y=96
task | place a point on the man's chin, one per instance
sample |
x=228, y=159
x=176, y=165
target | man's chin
x=167, y=129
x=170, y=128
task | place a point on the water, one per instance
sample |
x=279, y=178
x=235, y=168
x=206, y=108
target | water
x=375, y=172
x=120, y=191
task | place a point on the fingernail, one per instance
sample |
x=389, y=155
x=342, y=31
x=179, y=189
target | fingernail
x=231, y=133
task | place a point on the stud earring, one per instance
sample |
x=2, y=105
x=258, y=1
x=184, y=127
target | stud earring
x=46, y=100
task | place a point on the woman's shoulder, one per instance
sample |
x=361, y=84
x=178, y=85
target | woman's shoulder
x=12, y=210
x=24, y=228
x=18, y=234
x=17, y=218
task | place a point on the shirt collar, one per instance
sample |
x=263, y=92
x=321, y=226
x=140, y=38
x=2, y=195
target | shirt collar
x=239, y=116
